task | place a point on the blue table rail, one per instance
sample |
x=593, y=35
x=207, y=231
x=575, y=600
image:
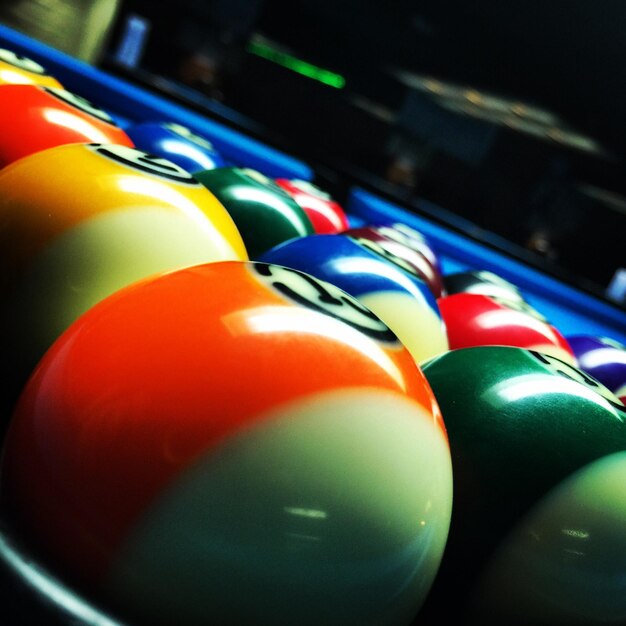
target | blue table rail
x=129, y=104
x=571, y=310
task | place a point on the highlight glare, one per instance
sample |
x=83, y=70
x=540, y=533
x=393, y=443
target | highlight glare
x=173, y=146
x=69, y=120
x=373, y=267
x=533, y=385
x=14, y=78
x=153, y=189
x=597, y=358
x=277, y=319
x=250, y=194
x=52, y=590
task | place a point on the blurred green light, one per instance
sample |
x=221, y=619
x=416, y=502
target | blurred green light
x=296, y=65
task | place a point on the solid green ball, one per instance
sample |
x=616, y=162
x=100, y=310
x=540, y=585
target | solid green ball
x=519, y=423
x=264, y=214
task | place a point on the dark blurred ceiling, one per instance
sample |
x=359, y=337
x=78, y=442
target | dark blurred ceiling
x=508, y=114
x=564, y=55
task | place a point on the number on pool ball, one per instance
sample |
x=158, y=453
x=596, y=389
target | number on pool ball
x=80, y=103
x=22, y=62
x=144, y=162
x=578, y=375
x=325, y=298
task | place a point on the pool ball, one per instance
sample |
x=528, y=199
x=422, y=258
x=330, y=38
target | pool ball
x=411, y=238
x=176, y=143
x=325, y=214
x=82, y=220
x=519, y=424
x=383, y=284
x=474, y=319
x=483, y=282
x=17, y=69
x=265, y=214
x=34, y=118
x=233, y=443
x=392, y=247
x=603, y=358
x=563, y=563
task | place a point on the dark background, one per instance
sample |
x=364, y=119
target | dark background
x=504, y=114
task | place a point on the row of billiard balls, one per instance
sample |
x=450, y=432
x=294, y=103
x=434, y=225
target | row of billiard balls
x=264, y=218
x=247, y=442
x=68, y=277
x=210, y=442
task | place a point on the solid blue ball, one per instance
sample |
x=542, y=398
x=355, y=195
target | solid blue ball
x=178, y=144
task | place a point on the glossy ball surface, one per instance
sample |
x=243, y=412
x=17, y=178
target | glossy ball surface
x=482, y=282
x=389, y=289
x=234, y=443
x=400, y=252
x=604, y=359
x=80, y=221
x=474, y=319
x=17, y=69
x=519, y=423
x=265, y=214
x=326, y=215
x=563, y=563
x=411, y=238
x=34, y=118
x=176, y=143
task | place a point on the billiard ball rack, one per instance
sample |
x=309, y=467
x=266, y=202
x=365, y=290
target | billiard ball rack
x=29, y=587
